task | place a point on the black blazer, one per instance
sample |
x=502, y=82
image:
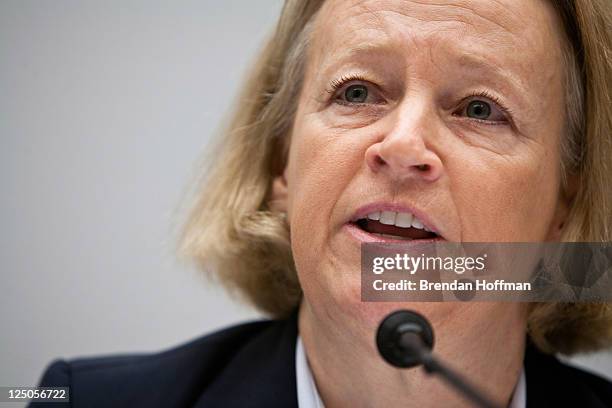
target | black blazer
x=253, y=365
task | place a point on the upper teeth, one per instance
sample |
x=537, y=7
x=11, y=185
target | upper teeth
x=399, y=219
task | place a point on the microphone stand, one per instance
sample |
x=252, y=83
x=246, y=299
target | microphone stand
x=405, y=339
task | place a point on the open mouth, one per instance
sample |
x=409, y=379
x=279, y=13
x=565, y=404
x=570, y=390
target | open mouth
x=395, y=225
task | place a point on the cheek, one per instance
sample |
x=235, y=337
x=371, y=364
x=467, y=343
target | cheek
x=321, y=165
x=324, y=163
x=503, y=200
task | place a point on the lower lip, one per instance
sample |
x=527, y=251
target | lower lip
x=364, y=237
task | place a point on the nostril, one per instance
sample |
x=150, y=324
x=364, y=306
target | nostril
x=403, y=164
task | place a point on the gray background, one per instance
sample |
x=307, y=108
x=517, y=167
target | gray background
x=105, y=108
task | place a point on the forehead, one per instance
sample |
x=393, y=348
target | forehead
x=516, y=35
x=503, y=22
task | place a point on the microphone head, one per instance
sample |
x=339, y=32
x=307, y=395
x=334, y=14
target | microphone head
x=389, y=338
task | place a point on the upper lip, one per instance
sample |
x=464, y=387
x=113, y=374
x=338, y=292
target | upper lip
x=363, y=211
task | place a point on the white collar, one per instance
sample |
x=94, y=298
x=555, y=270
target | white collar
x=308, y=396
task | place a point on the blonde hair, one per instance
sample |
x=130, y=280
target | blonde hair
x=232, y=232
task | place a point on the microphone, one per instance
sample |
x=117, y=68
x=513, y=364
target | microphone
x=405, y=339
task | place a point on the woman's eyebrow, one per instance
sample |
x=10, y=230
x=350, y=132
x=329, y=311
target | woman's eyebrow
x=503, y=77
x=365, y=52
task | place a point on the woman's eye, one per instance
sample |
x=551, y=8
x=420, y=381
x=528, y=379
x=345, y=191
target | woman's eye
x=478, y=110
x=483, y=111
x=356, y=94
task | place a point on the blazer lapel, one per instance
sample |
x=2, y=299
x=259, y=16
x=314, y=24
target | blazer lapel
x=261, y=374
x=553, y=384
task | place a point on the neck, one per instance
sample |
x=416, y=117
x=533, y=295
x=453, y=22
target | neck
x=485, y=342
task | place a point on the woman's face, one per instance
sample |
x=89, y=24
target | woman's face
x=450, y=113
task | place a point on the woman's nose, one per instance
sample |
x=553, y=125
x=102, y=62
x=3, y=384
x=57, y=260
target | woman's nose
x=404, y=154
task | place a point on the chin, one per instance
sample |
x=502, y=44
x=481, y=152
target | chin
x=347, y=308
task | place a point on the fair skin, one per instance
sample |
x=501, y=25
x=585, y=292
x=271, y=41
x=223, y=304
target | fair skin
x=405, y=127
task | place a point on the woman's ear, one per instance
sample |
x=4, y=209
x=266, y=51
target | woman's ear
x=564, y=205
x=279, y=193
